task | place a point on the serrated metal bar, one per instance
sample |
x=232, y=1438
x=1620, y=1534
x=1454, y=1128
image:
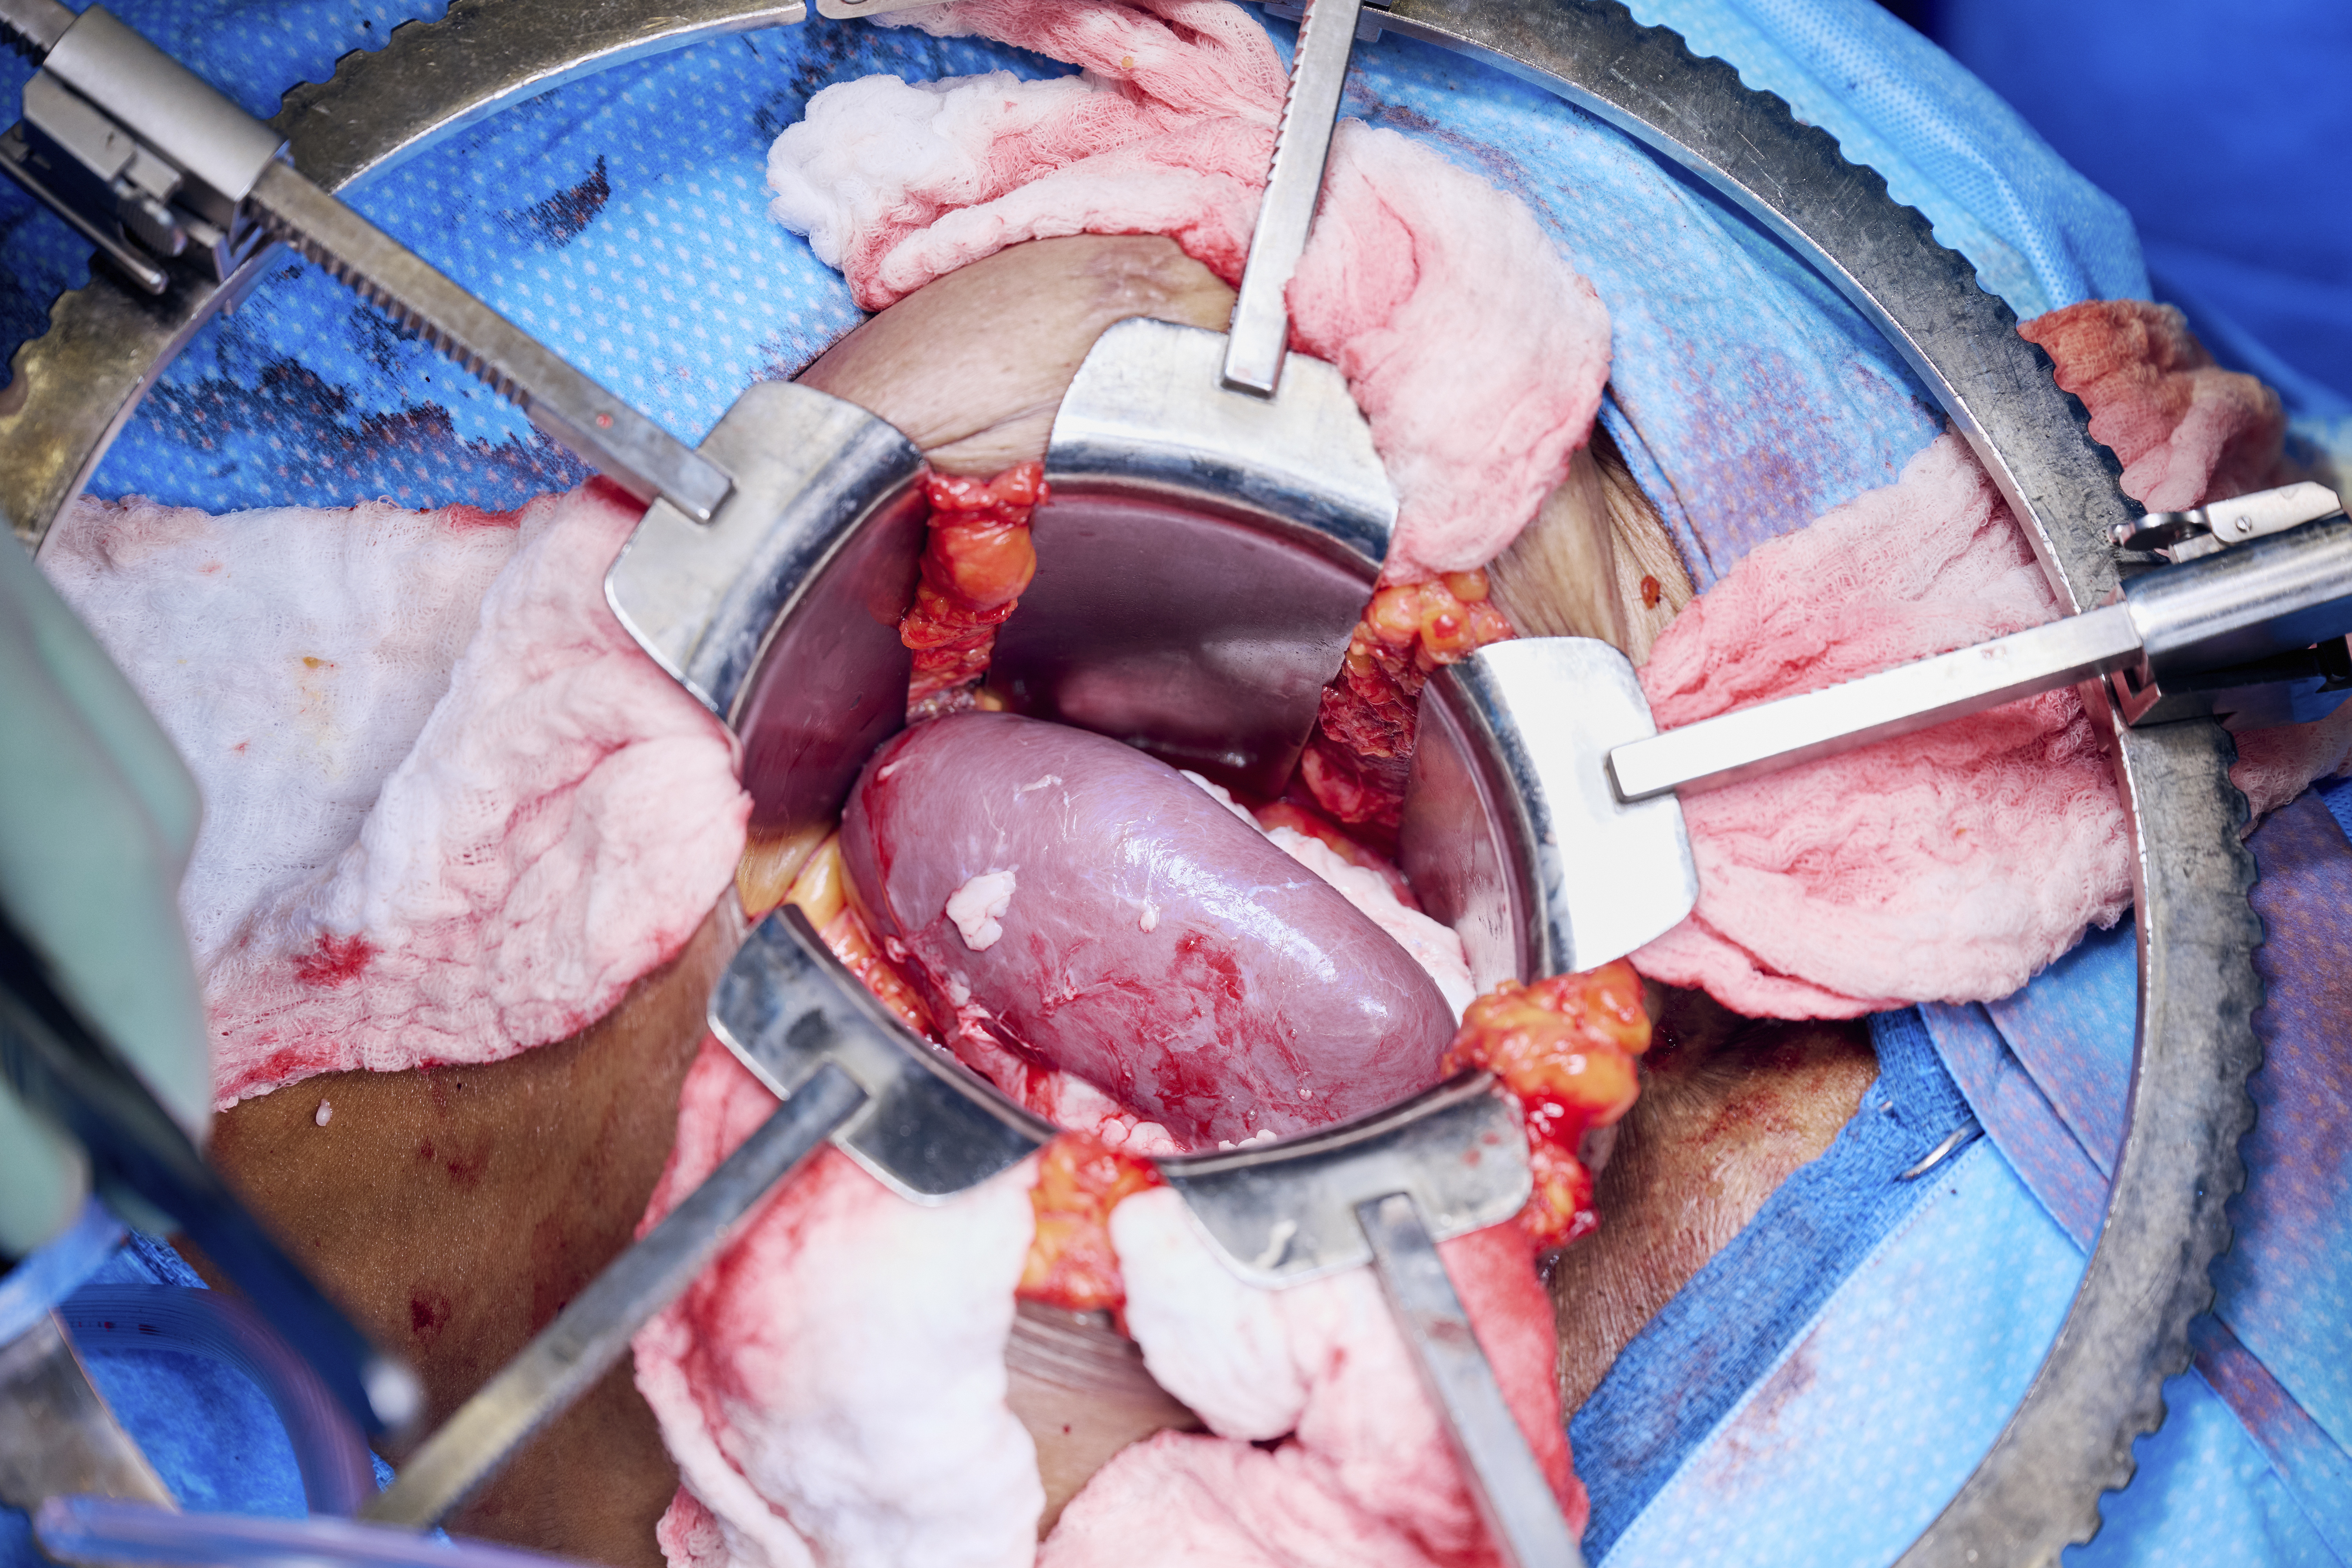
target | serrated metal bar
x=75, y=385
x=32, y=28
x=2038, y=1488
x=646, y=459
x=1258, y=338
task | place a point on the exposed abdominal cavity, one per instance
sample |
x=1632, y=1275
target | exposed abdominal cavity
x=454, y=817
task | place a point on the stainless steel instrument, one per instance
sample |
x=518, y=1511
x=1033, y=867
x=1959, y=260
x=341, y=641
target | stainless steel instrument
x=2037, y=1488
x=1386, y=1190
x=846, y=1072
x=122, y=141
x=766, y=616
x=1185, y=420
x=1600, y=784
x=57, y=1061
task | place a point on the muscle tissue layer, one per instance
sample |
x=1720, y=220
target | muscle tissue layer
x=1476, y=351
x=451, y=810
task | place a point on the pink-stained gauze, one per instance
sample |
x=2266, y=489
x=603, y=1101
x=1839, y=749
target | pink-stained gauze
x=833, y=1388
x=1476, y=353
x=1948, y=865
x=2186, y=430
x=1357, y=1470
x=1955, y=864
x=451, y=810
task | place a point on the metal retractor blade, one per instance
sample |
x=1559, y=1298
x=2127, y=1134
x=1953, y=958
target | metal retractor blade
x=2100, y=1387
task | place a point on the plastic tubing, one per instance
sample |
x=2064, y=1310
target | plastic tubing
x=338, y=1475
x=43, y=1278
x=112, y=1529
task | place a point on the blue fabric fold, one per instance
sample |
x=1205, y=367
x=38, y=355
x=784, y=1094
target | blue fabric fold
x=2038, y=233
x=2048, y=1072
x=1679, y=1378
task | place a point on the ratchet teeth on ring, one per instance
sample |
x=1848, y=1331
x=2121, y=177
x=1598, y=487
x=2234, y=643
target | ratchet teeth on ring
x=2036, y=1486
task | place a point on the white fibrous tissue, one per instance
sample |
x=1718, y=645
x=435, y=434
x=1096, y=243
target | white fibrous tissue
x=1475, y=350
x=1436, y=947
x=451, y=809
x=834, y=1388
x=977, y=906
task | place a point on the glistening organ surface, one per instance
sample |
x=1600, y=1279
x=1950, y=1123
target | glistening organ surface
x=1153, y=942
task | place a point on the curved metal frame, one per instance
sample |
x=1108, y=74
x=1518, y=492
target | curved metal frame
x=2100, y=1387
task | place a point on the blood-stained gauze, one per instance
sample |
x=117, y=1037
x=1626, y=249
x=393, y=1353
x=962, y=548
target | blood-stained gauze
x=832, y=1387
x=1152, y=942
x=1324, y=1449
x=452, y=810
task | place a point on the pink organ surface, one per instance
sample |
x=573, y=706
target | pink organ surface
x=1152, y=941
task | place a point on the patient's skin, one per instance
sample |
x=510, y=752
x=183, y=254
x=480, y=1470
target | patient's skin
x=1730, y=1108
x=456, y=1210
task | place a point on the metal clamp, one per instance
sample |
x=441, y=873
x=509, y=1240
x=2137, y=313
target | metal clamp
x=135, y=152
x=151, y=164
x=2206, y=530
x=2247, y=628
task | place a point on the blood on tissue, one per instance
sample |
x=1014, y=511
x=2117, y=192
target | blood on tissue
x=976, y=563
x=458, y=515
x=1565, y=1047
x=1071, y=1263
x=1080, y=1179
x=334, y=959
x=608, y=491
x=1355, y=763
